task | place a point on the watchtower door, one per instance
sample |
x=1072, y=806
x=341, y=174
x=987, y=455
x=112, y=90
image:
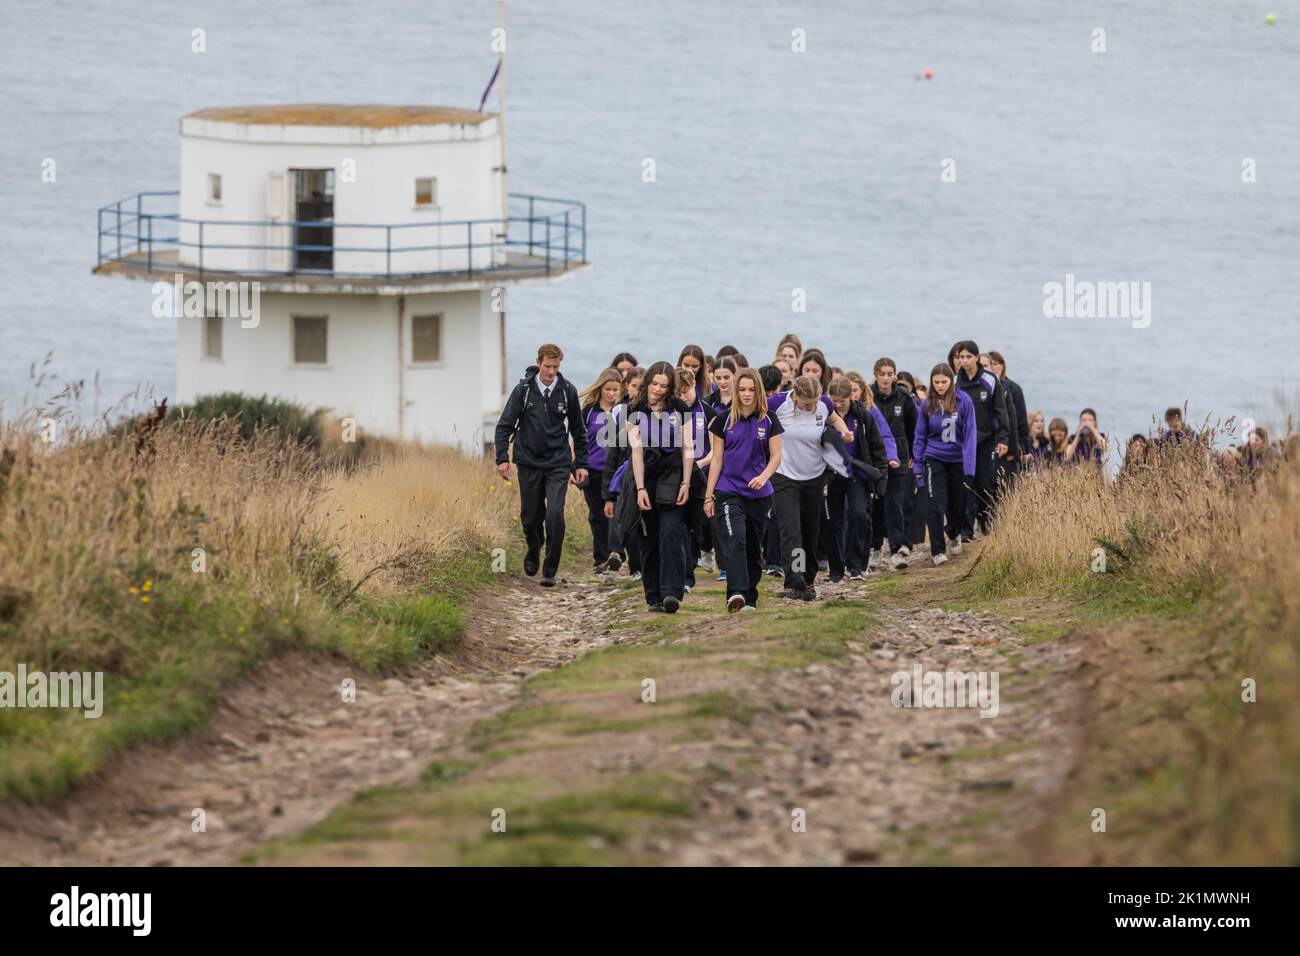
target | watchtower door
x=313, y=243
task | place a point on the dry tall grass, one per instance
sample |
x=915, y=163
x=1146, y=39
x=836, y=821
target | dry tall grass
x=1195, y=537
x=99, y=569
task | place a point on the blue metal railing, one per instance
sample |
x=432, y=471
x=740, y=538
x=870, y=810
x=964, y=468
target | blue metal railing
x=545, y=234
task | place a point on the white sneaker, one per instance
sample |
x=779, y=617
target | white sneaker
x=905, y=551
x=707, y=562
x=939, y=559
x=873, y=562
x=749, y=607
x=735, y=603
x=955, y=545
x=897, y=562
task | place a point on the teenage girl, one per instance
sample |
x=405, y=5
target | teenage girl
x=622, y=362
x=724, y=376
x=597, y=404
x=943, y=451
x=616, y=458
x=660, y=441
x=800, y=479
x=850, y=491
x=746, y=451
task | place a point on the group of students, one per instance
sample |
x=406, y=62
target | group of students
x=789, y=468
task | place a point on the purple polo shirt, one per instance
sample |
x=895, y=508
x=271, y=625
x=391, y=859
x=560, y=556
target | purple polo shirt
x=744, y=452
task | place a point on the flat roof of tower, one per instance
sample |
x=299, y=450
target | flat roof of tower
x=339, y=114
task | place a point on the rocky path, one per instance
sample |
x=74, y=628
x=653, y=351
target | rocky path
x=834, y=773
x=284, y=748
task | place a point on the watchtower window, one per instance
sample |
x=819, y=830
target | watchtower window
x=426, y=191
x=426, y=338
x=310, y=339
x=214, y=187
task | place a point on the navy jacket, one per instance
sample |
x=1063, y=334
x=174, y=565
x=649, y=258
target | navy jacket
x=542, y=429
x=989, y=398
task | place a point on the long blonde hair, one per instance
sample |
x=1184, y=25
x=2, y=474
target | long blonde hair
x=591, y=394
x=760, y=396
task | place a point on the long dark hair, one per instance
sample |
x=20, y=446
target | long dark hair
x=668, y=371
x=815, y=355
x=697, y=353
x=948, y=404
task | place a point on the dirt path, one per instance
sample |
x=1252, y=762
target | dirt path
x=881, y=784
x=871, y=782
x=284, y=749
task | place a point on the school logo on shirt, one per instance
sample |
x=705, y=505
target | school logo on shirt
x=898, y=410
x=762, y=432
x=984, y=395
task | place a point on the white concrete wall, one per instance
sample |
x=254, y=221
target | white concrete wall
x=386, y=162
x=455, y=401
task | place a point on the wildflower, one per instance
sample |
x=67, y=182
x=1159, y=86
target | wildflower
x=148, y=585
x=144, y=599
x=135, y=590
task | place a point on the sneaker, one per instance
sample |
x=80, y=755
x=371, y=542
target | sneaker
x=614, y=562
x=749, y=607
x=897, y=562
x=735, y=603
x=905, y=551
x=532, y=563
x=857, y=576
x=671, y=604
x=688, y=588
x=956, y=545
x=776, y=571
x=547, y=581
x=938, y=559
x=722, y=575
x=707, y=561
x=634, y=576
x=823, y=566
x=808, y=594
x=790, y=594
x=836, y=578
x=655, y=609
x=599, y=569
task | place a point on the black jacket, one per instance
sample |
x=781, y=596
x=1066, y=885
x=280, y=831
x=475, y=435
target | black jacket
x=542, y=429
x=872, y=467
x=1016, y=405
x=989, y=398
x=899, y=409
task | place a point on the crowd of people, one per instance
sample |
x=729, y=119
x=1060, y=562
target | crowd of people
x=792, y=468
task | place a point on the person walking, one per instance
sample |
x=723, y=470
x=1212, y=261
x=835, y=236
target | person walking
x=543, y=420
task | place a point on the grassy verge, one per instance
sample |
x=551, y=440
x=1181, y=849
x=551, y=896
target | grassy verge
x=172, y=558
x=1180, y=581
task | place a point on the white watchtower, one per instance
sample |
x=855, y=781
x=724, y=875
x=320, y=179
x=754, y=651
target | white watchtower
x=379, y=240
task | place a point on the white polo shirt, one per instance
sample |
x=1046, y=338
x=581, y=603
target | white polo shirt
x=801, y=440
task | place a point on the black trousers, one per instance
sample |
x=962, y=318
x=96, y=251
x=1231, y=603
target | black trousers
x=541, y=512
x=945, y=492
x=695, y=525
x=915, y=508
x=979, y=500
x=742, y=527
x=798, y=507
x=898, y=495
x=596, y=520
x=772, y=539
x=664, y=542
x=846, y=533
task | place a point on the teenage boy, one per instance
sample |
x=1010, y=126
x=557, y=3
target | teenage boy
x=543, y=416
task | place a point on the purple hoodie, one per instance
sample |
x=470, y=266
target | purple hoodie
x=929, y=442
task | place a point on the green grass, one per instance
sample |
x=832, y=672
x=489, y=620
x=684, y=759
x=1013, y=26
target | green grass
x=189, y=643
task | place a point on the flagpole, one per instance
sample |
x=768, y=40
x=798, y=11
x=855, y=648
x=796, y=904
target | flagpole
x=501, y=124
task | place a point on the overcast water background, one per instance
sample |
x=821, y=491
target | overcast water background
x=775, y=170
